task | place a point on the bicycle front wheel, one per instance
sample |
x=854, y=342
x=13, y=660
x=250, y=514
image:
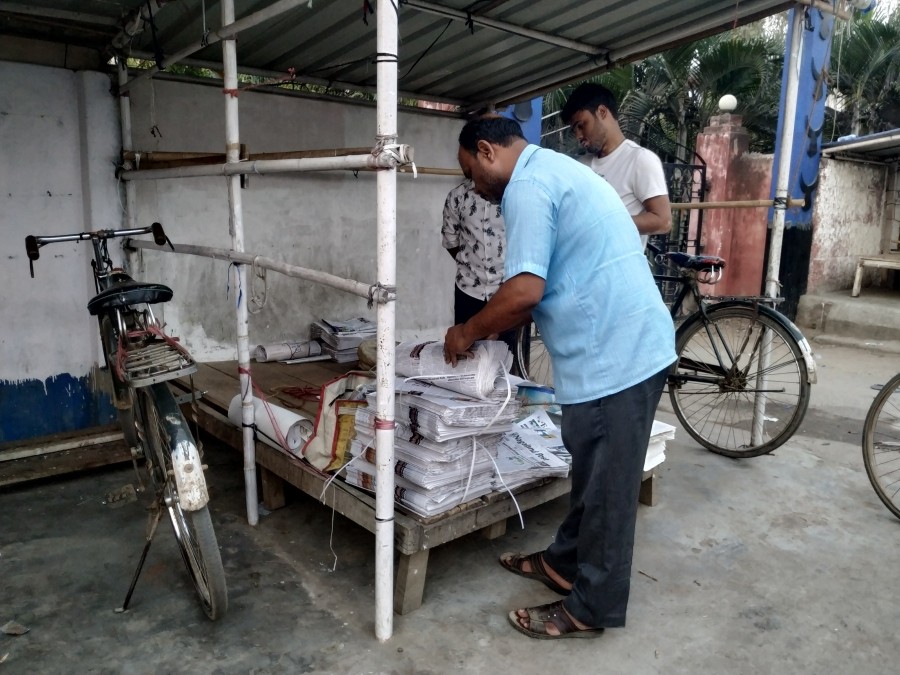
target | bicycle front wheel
x=739, y=386
x=532, y=356
x=193, y=529
x=881, y=445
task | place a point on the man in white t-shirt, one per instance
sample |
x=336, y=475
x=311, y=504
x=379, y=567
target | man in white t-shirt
x=635, y=173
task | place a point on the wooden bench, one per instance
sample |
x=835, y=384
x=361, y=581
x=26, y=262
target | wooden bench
x=888, y=261
x=414, y=535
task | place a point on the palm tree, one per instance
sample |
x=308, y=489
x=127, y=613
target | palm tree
x=865, y=62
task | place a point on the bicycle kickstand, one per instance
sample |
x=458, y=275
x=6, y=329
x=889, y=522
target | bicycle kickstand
x=153, y=521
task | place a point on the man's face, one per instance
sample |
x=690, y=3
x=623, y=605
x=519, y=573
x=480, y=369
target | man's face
x=483, y=169
x=590, y=129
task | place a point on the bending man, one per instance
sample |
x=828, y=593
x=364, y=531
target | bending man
x=574, y=262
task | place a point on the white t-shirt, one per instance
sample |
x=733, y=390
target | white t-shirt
x=635, y=173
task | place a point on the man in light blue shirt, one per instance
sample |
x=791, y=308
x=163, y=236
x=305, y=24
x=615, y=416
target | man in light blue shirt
x=574, y=262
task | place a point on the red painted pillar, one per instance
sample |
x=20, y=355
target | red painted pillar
x=738, y=234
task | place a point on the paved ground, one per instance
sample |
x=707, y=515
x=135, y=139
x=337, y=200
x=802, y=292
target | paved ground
x=780, y=564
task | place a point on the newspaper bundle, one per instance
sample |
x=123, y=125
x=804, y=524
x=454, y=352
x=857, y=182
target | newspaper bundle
x=340, y=338
x=480, y=376
x=440, y=414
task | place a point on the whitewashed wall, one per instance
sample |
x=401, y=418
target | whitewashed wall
x=323, y=221
x=848, y=221
x=59, y=140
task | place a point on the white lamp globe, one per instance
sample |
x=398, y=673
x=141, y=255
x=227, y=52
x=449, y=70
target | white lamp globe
x=727, y=103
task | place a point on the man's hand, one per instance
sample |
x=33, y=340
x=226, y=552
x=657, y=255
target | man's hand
x=456, y=343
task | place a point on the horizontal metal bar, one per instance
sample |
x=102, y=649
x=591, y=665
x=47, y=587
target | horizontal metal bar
x=368, y=291
x=505, y=26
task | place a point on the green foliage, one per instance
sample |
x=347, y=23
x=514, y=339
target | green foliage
x=865, y=67
x=667, y=99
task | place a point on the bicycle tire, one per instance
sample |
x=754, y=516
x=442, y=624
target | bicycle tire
x=532, y=357
x=881, y=445
x=194, y=531
x=718, y=412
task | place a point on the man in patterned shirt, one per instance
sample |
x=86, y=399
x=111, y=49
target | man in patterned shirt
x=475, y=236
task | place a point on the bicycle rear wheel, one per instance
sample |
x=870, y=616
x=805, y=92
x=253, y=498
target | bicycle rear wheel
x=532, y=356
x=881, y=445
x=715, y=385
x=193, y=529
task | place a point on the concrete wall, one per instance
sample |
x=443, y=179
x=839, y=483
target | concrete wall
x=324, y=221
x=59, y=135
x=59, y=131
x=848, y=221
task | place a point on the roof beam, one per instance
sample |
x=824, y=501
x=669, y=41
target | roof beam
x=504, y=26
x=50, y=13
x=225, y=32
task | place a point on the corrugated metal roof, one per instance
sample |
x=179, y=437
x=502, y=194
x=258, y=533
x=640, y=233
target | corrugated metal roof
x=882, y=147
x=447, y=52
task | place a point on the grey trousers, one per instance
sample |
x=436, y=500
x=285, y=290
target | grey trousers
x=607, y=439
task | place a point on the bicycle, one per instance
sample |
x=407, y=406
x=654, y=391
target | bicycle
x=881, y=445
x=741, y=382
x=140, y=358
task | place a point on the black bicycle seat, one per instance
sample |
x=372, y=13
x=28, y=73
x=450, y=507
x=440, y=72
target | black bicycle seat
x=129, y=293
x=696, y=262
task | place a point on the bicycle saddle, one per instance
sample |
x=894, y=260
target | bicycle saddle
x=696, y=262
x=126, y=291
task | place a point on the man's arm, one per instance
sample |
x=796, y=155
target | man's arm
x=509, y=307
x=656, y=218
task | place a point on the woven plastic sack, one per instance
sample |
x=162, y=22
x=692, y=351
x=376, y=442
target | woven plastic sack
x=328, y=448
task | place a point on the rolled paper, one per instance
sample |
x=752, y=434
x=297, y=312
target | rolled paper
x=294, y=428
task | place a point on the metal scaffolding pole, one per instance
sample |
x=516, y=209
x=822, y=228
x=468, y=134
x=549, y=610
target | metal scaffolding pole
x=236, y=229
x=386, y=275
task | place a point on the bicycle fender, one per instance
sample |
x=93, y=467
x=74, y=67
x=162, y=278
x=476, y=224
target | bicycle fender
x=777, y=317
x=192, y=492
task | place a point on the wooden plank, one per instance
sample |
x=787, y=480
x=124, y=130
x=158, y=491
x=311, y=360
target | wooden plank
x=62, y=462
x=494, y=531
x=409, y=588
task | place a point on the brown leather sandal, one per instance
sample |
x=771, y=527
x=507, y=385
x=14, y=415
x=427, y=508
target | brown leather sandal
x=514, y=563
x=541, y=616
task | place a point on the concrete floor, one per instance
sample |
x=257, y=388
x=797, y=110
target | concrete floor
x=779, y=564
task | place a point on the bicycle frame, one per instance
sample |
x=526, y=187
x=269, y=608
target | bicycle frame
x=187, y=468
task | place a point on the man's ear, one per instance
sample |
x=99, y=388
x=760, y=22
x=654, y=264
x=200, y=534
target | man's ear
x=486, y=149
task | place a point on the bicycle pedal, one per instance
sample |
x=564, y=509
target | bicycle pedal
x=120, y=497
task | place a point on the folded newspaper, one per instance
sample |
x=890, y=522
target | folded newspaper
x=342, y=335
x=441, y=414
x=434, y=451
x=482, y=376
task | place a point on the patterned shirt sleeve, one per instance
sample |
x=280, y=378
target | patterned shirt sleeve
x=451, y=223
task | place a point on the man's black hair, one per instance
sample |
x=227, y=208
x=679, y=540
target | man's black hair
x=589, y=96
x=493, y=129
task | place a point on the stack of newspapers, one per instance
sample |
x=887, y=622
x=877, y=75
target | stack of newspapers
x=453, y=444
x=340, y=338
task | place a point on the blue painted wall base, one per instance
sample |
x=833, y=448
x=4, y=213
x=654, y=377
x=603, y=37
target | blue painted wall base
x=62, y=403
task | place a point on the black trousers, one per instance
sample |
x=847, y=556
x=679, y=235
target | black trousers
x=465, y=307
x=607, y=439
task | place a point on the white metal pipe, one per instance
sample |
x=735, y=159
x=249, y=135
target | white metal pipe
x=301, y=79
x=386, y=263
x=264, y=166
x=359, y=288
x=229, y=29
x=127, y=142
x=782, y=188
x=504, y=26
x=236, y=227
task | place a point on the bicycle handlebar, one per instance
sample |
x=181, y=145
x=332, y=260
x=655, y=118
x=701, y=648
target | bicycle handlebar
x=34, y=243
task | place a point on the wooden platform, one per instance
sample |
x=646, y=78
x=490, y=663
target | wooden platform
x=887, y=261
x=414, y=536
